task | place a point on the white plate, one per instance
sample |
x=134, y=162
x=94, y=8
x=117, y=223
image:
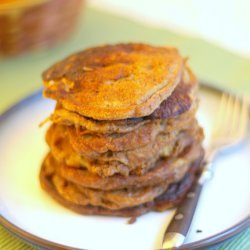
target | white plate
x=30, y=212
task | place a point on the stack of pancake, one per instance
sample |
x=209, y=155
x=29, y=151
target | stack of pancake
x=124, y=139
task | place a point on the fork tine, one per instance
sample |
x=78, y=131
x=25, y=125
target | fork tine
x=230, y=126
x=219, y=114
x=232, y=117
x=244, y=116
x=235, y=115
x=226, y=115
x=229, y=115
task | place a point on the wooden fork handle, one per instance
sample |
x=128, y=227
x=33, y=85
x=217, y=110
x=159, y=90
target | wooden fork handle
x=180, y=224
x=177, y=230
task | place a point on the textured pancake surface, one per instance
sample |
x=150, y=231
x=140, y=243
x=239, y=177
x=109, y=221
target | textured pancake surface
x=138, y=160
x=90, y=144
x=171, y=169
x=115, y=82
x=124, y=139
x=180, y=101
x=168, y=199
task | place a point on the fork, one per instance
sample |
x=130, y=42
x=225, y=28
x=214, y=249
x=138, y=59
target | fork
x=229, y=129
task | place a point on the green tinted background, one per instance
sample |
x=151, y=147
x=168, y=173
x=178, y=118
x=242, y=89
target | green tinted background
x=21, y=76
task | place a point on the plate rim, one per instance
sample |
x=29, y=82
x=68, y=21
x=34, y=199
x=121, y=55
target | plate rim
x=41, y=242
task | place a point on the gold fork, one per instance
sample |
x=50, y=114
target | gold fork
x=229, y=129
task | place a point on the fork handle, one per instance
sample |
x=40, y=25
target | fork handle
x=180, y=224
x=177, y=230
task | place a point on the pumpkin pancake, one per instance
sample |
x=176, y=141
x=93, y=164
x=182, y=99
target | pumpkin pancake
x=69, y=118
x=92, y=145
x=114, y=82
x=124, y=139
x=179, y=102
x=116, y=199
x=112, y=199
x=165, y=169
x=168, y=199
x=138, y=160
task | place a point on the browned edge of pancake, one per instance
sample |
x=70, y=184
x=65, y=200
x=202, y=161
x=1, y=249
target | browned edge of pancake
x=163, y=169
x=155, y=71
x=172, y=197
x=179, y=102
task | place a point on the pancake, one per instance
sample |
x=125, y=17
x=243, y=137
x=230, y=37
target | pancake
x=138, y=161
x=113, y=200
x=69, y=118
x=179, y=102
x=92, y=145
x=170, y=198
x=123, y=162
x=114, y=82
x=164, y=169
x=124, y=139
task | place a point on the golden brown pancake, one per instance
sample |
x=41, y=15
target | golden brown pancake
x=172, y=169
x=177, y=103
x=171, y=197
x=92, y=145
x=138, y=160
x=116, y=199
x=69, y=118
x=115, y=82
x=113, y=199
x=124, y=138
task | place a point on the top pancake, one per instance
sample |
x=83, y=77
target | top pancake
x=115, y=82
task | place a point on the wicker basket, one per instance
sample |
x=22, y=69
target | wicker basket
x=29, y=24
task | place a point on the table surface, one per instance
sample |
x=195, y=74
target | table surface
x=22, y=75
